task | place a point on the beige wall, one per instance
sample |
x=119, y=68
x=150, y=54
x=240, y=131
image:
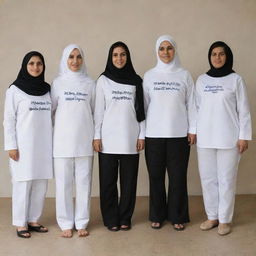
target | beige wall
x=49, y=25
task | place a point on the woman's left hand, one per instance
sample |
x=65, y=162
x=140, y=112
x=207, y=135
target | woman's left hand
x=242, y=145
x=191, y=139
x=140, y=144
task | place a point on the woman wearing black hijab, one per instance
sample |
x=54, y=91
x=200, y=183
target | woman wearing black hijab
x=223, y=131
x=119, y=136
x=28, y=140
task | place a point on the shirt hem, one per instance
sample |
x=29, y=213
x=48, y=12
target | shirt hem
x=178, y=136
x=29, y=179
x=68, y=156
x=120, y=153
x=227, y=147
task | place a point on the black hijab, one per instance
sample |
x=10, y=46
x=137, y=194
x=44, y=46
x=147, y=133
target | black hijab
x=126, y=75
x=29, y=84
x=226, y=69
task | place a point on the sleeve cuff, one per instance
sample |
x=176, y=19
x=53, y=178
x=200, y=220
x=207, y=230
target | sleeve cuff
x=192, y=130
x=244, y=136
x=10, y=147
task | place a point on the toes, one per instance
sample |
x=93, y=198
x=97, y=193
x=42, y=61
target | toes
x=82, y=233
x=67, y=233
x=179, y=226
x=44, y=228
x=155, y=224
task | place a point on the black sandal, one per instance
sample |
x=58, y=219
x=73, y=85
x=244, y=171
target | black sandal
x=21, y=233
x=126, y=228
x=156, y=227
x=39, y=228
x=113, y=228
x=180, y=228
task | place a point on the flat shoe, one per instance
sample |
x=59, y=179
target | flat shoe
x=21, y=233
x=156, y=227
x=181, y=227
x=208, y=224
x=39, y=228
x=224, y=229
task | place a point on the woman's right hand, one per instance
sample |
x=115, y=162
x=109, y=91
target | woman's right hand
x=14, y=154
x=191, y=139
x=97, y=145
x=242, y=145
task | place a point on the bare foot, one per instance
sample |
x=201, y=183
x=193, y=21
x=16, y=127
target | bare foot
x=82, y=232
x=67, y=233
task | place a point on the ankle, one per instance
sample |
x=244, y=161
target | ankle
x=213, y=221
x=19, y=228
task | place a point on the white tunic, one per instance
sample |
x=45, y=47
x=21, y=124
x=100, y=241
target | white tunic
x=223, y=111
x=28, y=128
x=115, y=117
x=169, y=104
x=73, y=105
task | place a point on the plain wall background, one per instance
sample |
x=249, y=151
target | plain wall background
x=50, y=25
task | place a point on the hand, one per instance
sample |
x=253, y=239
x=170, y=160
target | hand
x=140, y=144
x=97, y=145
x=14, y=154
x=242, y=145
x=191, y=138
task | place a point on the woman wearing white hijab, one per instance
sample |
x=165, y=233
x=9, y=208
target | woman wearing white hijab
x=170, y=130
x=73, y=101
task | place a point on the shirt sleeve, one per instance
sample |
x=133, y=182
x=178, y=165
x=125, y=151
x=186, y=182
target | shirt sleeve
x=243, y=110
x=190, y=105
x=54, y=99
x=10, y=120
x=92, y=101
x=197, y=95
x=142, y=130
x=99, y=109
x=146, y=94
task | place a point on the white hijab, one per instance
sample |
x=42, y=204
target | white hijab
x=64, y=71
x=172, y=67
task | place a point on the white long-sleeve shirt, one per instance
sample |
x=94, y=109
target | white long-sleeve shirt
x=28, y=128
x=73, y=105
x=223, y=111
x=169, y=104
x=115, y=117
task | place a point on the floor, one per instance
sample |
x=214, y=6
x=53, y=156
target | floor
x=141, y=240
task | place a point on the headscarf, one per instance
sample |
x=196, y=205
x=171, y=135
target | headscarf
x=173, y=66
x=64, y=71
x=226, y=69
x=29, y=84
x=126, y=75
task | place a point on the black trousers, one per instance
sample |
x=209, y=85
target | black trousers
x=171, y=154
x=116, y=213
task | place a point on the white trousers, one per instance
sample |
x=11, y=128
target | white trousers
x=71, y=170
x=218, y=172
x=27, y=201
